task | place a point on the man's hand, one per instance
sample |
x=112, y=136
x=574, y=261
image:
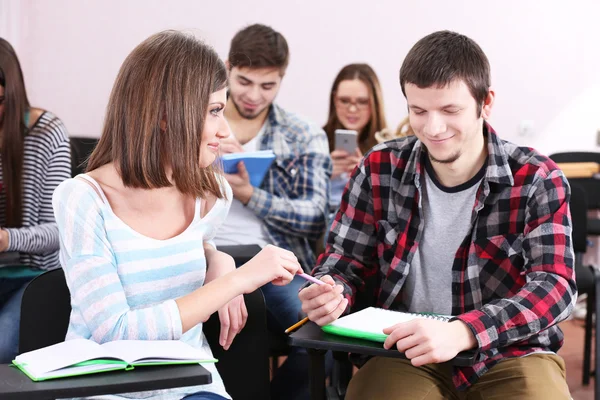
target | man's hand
x=323, y=303
x=240, y=184
x=426, y=341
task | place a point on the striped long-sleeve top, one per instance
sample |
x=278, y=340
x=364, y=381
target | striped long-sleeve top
x=46, y=163
x=123, y=284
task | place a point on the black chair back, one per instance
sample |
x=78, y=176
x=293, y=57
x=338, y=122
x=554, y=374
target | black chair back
x=46, y=308
x=81, y=149
x=591, y=186
x=45, y=311
x=578, y=206
x=245, y=366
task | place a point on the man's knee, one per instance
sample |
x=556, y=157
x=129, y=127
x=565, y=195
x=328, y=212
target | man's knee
x=392, y=378
x=532, y=377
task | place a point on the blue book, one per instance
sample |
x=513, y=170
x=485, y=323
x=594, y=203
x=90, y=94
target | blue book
x=257, y=164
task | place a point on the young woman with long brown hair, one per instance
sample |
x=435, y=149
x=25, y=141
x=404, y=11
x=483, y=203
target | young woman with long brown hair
x=137, y=228
x=355, y=103
x=34, y=159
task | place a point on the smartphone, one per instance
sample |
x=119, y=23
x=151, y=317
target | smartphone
x=346, y=140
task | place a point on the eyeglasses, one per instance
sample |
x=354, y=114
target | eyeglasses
x=360, y=103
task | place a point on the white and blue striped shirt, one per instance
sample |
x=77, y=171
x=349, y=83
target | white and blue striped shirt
x=123, y=284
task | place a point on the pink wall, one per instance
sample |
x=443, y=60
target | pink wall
x=544, y=55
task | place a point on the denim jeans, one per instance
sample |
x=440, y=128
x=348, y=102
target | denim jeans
x=11, y=292
x=203, y=396
x=283, y=307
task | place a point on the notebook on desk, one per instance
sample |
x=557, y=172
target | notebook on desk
x=82, y=357
x=370, y=322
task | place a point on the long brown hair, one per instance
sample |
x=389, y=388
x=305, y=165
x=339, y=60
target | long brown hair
x=14, y=131
x=168, y=77
x=364, y=73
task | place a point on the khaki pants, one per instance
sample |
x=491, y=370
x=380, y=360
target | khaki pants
x=538, y=376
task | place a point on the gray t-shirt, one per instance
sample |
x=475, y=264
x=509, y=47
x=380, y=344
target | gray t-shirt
x=447, y=217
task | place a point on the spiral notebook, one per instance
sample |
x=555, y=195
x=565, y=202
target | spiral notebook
x=370, y=322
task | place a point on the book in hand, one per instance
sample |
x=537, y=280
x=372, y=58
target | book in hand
x=370, y=322
x=257, y=163
x=83, y=356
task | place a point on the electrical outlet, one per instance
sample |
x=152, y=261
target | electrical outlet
x=598, y=137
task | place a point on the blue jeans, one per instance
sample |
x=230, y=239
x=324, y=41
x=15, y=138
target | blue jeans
x=11, y=293
x=203, y=396
x=283, y=307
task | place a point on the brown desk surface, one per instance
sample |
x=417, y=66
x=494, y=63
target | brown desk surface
x=579, y=170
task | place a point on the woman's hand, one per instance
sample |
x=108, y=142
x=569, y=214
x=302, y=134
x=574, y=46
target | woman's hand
x=233, y=317
x=3, y=240
x=272, y=264
x=341, y=162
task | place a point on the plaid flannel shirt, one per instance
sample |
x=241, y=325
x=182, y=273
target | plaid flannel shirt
x=512, y=277
x=292, y=199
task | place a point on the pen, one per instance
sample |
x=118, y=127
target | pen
x=304, y=320
x=297, y=325
x=311, y=279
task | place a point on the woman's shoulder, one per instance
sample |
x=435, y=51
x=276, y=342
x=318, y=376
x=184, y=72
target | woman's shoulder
x=47, y=126
x=78, y=191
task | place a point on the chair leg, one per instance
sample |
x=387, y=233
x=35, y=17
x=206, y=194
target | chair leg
x=587, y=344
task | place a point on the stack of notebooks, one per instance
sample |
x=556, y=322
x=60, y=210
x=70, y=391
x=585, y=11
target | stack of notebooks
x=370, y=322
x=82, y=357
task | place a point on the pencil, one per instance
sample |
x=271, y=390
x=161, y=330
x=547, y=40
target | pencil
x=296, y=325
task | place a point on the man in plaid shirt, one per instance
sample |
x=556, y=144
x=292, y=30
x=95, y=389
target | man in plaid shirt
x=454, y=221
x=288, y=209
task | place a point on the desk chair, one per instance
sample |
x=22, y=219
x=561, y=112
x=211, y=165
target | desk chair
x=45, y=312
x=81, y=149
x=591, y=186
x=278, y=346
x=588, y=281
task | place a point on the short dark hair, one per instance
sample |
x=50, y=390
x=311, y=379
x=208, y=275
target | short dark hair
x=170, y=76
x=259, y=46
x=442, y=57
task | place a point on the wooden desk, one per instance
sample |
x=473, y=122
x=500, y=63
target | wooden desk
x=15, y=385
x=579, y=170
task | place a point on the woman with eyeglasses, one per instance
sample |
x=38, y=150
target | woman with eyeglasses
x=34, y=159
x=355, y=103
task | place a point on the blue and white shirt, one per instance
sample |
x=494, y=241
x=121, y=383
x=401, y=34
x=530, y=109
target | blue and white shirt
x=123, y=284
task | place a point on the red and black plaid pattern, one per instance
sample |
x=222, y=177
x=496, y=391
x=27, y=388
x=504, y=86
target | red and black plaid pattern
x=512, y=279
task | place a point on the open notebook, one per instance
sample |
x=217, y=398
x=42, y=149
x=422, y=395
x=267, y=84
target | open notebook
x=82, y=356
x=257, y=163
x=369, y=323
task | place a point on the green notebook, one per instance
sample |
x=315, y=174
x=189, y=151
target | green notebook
x=82, y=357
x=370, y=322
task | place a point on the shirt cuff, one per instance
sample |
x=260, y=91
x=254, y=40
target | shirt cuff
x=483, y=328
x=260, y=203
x=13, y=239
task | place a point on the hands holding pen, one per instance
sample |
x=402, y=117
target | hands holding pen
x=323, y=303
x=272, y=264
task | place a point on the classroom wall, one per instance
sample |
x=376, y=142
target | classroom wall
x=544, y=54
